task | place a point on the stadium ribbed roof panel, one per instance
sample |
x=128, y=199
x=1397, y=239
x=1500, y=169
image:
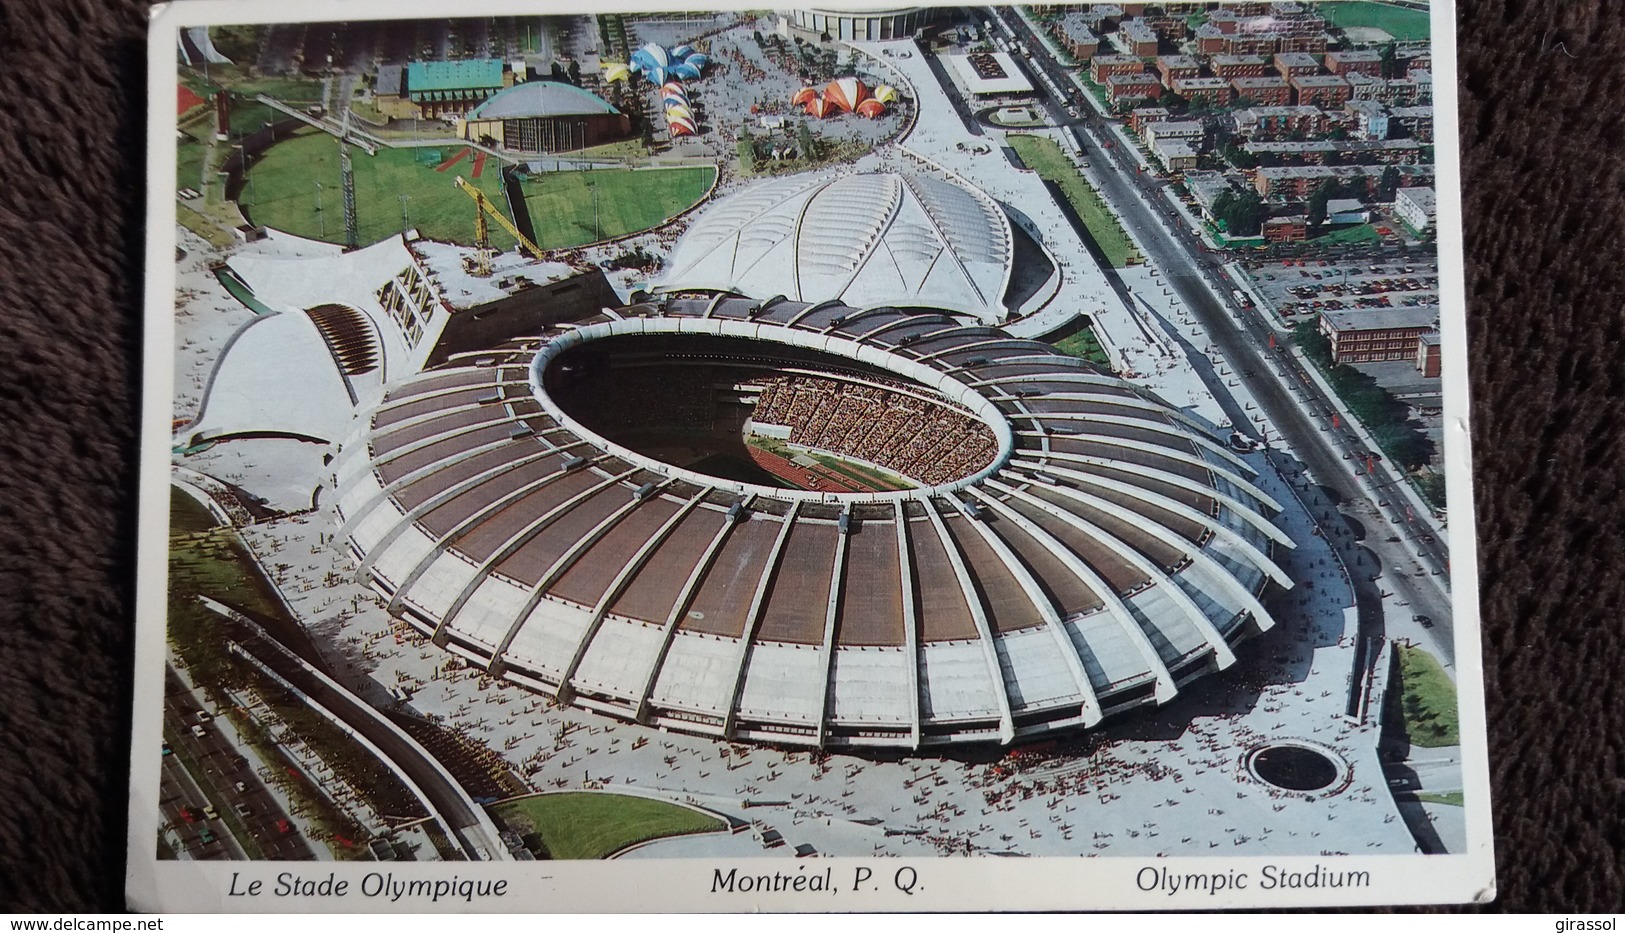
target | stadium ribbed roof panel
x=1060, y=547
x=866, y=239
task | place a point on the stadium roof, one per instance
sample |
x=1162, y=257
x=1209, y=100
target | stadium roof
x=1110, y=552
x=865, y=239
x=468, y=74
x=540, y=99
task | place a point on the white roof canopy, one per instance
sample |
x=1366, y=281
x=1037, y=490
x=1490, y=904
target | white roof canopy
x=868, y=240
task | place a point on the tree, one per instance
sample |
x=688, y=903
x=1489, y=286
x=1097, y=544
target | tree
x=804, y=139
x=1388, y=184
x=747, y=151
x=1238, y=156
x=1317, y=203
x=574, y=71
x=1389, y=58
x=1241, y=213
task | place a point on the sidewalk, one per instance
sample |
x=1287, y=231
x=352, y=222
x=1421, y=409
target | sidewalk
x=1421, y=510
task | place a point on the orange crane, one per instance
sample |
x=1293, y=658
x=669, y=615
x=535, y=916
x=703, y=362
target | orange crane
x=482, y=230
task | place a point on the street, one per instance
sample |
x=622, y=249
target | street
x=1369, y=535
x=222, y=778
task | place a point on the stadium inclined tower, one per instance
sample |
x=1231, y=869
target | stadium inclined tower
x=807, y=524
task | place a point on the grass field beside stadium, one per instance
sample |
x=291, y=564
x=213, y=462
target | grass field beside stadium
x=247, y=114
x=1085, y=345
x=1044, y=156
x=1401, y=23
x=597, y=825
x=1362, y=233
x=1427, y=699
x=629, y=200
x=281, y=192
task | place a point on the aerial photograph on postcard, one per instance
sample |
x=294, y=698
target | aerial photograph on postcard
x=922, y=431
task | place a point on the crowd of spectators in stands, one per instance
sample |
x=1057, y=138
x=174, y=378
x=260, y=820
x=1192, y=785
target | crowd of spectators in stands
x=916, y=438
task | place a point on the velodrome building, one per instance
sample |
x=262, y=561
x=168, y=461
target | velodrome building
x=808, y=523
x=907, y=239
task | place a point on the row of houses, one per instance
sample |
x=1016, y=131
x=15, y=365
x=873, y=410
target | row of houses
x=1368, y=120
x=1139, y=29
x=1297, y=79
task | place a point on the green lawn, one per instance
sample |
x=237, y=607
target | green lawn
x=1360, y=233
x=1428, y=700
x=597, y=825
x=1403, y=24
x=282, y=192
x=1044, y=156
x=189, y=155
x=1453, y=798
x=628, y=200
x=186, y=514
x=1084, y=345
x=247, y=114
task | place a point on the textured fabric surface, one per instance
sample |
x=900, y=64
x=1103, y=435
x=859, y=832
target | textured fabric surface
x=1541, y=140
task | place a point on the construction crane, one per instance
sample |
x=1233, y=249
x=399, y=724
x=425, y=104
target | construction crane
x=482, y=230
x=352, y=234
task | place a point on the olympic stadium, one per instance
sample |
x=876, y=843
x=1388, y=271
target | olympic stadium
x=804, y=523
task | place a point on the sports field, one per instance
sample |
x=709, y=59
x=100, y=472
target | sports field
x=1401, y=23
x=628, y=200
x=281, y=192
x=597, y=825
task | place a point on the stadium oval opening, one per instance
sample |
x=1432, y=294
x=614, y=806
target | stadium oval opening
x=767, y=415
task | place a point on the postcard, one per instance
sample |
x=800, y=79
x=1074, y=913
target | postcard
x=910, y=459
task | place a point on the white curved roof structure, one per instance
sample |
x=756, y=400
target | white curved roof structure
x=540, y=99
x=867, y=240
x=1098, y=552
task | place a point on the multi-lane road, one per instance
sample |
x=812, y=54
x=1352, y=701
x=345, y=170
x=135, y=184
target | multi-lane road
x=216, y=776
x=1391, y=555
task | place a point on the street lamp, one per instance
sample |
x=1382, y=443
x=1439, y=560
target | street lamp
x=321, y=218
x=597, y=230
x=405, y=222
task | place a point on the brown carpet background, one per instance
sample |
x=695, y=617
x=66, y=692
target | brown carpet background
x=1542, y=101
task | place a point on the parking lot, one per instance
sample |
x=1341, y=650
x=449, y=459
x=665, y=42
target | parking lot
x=1301, y=287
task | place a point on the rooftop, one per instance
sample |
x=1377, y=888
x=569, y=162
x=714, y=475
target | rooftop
x=1425, y=198
x=1076, y=28
x=866, y=239
x=1138, y=78
x=1333, y=145
x=471, y=73
x=540, y=99
x=1177, y=128
x=1137, y=31
x=1319, y=81
x=1382, y=318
